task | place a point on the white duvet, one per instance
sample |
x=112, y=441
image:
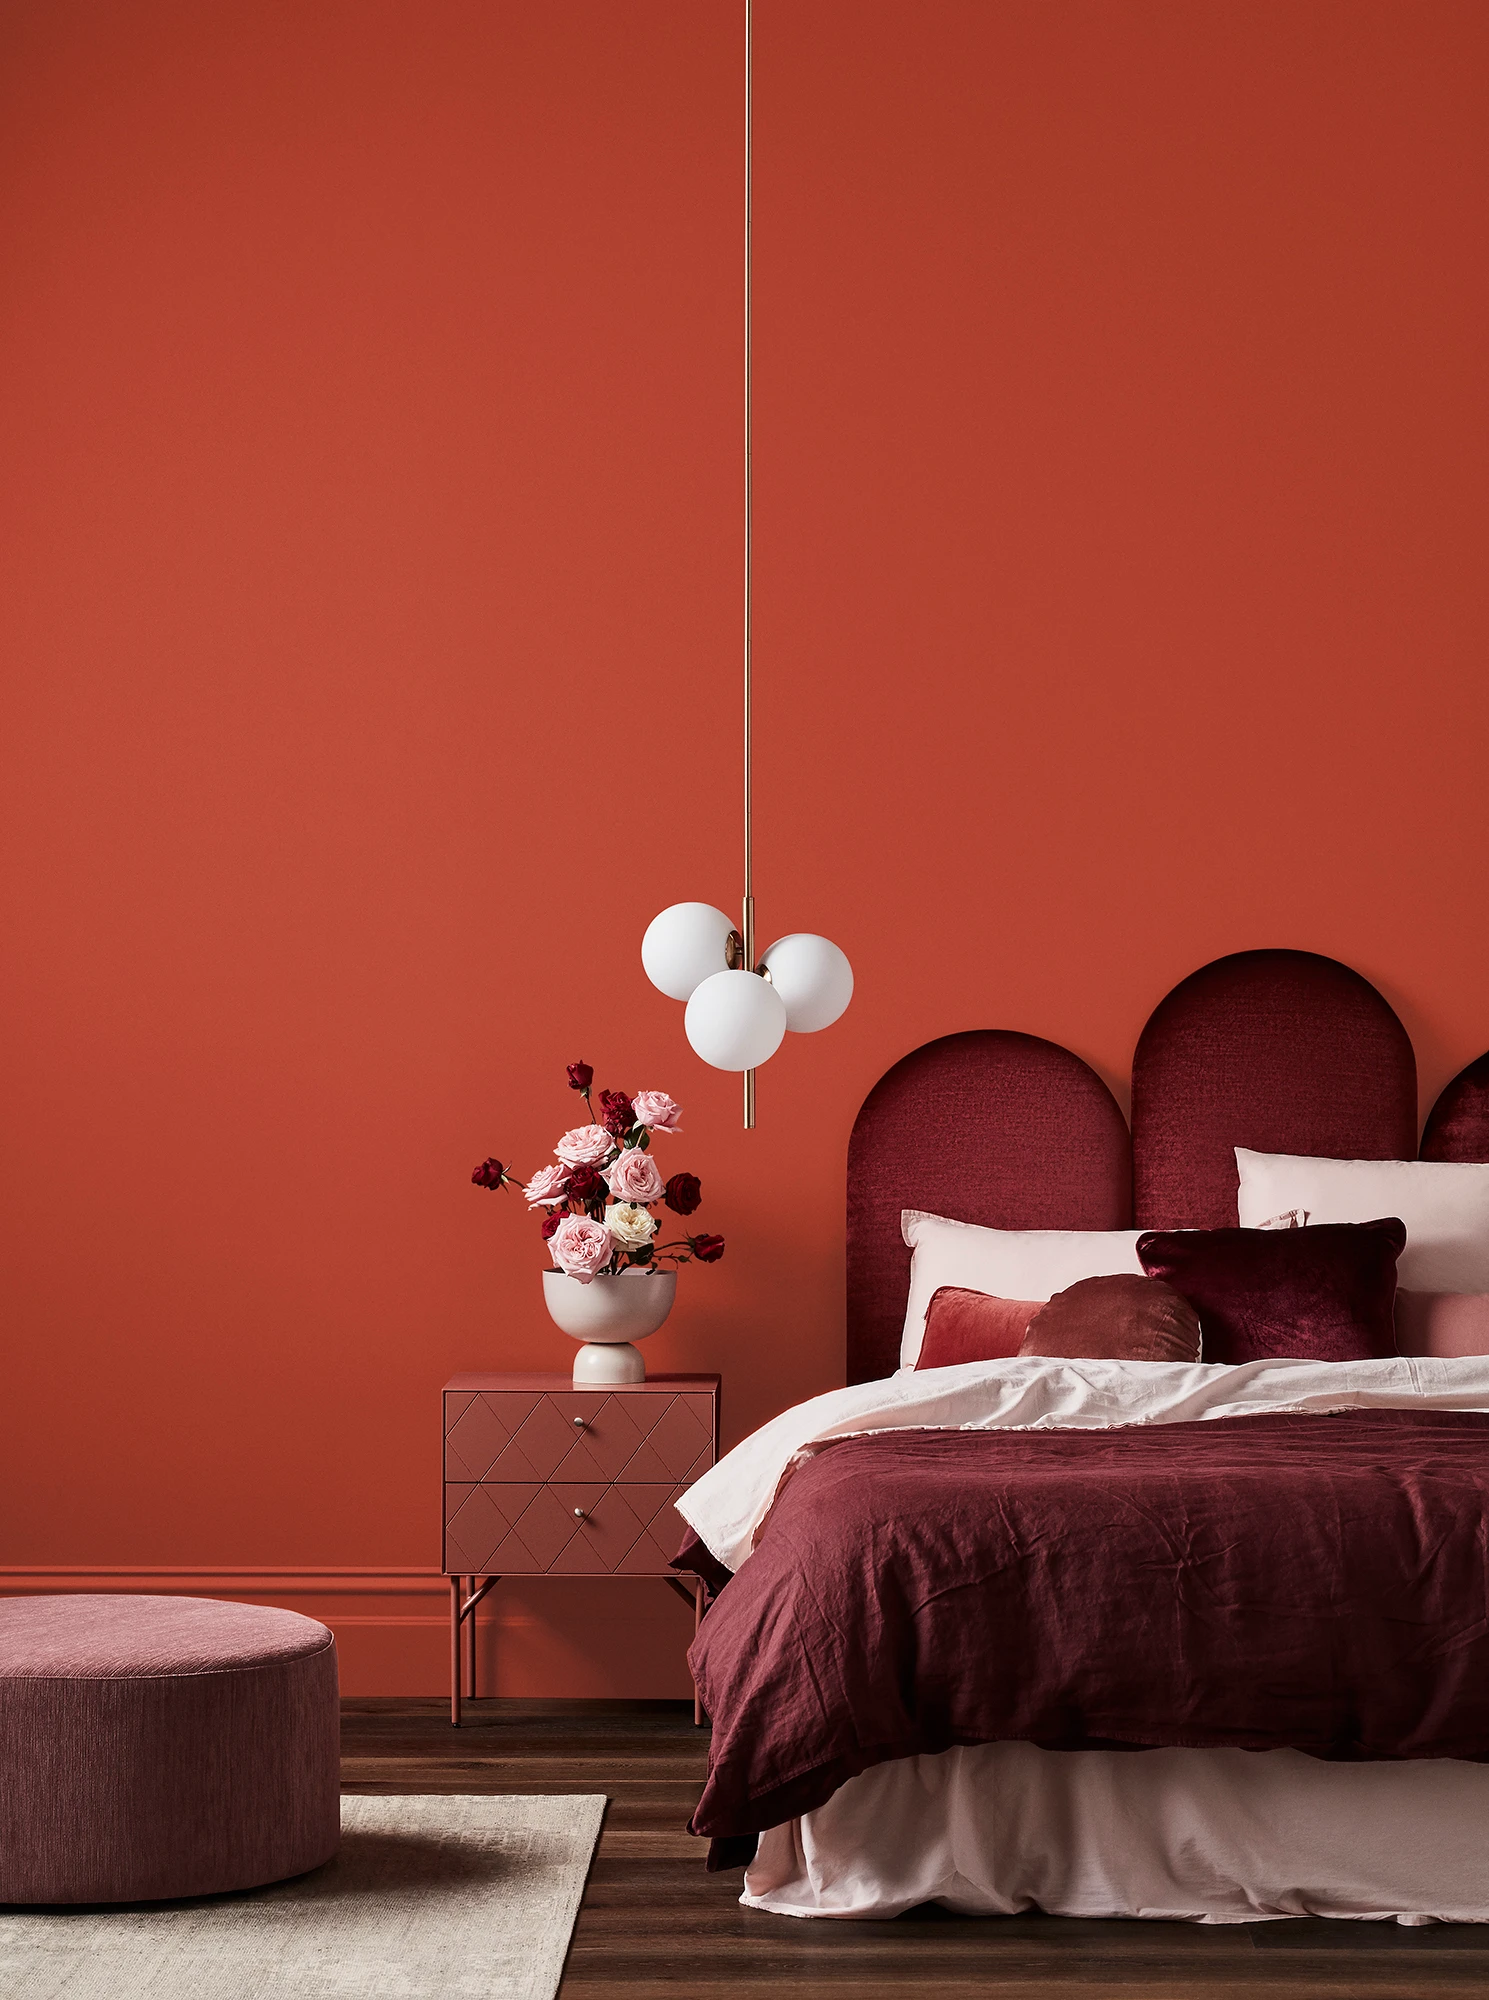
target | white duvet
x=729, y=1503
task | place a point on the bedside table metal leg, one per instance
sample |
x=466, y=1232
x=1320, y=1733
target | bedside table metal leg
x=470, y=1642
x=454, y=1652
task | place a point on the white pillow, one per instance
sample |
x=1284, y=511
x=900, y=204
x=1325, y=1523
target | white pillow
x=1004, y=1263
x=1445, y=1206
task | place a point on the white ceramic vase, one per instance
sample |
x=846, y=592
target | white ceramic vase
x=607, y=1315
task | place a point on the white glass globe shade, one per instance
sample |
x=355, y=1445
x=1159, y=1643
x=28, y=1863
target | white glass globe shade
x=684, y=946
x=813, y=978
x=735, y=1020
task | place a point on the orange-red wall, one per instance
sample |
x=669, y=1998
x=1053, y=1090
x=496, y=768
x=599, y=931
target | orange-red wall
x=370, y=597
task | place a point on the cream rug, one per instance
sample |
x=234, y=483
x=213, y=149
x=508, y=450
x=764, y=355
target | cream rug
x=429, y=1899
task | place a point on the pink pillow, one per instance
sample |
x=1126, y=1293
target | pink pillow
x=1442, y=1324
x=972, y=1326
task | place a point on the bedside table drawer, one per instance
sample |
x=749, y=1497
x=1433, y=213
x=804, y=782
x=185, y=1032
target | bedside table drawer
x=562, y=1528
x=587, y=1435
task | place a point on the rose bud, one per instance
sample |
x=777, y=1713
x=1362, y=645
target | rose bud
x=490, y=1174
x=708, y=1249
x=585, y=1183
x=682, y=1193
x=551, y=1221
x=581, y=1076
x=617, y=1113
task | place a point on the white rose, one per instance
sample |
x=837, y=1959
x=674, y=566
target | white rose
x=630, y=1225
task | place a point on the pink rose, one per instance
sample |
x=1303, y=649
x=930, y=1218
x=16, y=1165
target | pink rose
x=547, y=1186
x=585, y=1146
x=654, y=1108
x=581, y=1248
x=634, y=1177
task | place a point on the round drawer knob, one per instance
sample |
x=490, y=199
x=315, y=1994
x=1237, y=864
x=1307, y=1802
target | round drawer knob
x=579, y=1422
x=578, y=1513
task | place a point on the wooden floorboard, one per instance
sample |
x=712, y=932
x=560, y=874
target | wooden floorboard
x=655, y=1924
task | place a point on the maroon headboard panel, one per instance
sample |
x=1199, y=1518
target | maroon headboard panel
x=1282, y=1051
x=991, y=1127
x=1458, y=1124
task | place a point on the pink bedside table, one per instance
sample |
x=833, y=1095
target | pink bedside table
x=543, y=1479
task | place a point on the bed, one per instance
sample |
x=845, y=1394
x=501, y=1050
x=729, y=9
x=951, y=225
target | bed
x=1104, y=1638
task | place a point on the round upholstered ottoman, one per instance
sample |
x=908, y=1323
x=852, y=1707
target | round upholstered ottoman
x=162, y=1746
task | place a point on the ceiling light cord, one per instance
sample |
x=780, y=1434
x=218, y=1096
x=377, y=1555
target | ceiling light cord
x=747, y=914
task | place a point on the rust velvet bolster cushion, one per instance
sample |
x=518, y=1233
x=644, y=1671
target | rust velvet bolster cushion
x=961, y=1325
x=1116, y=1319
x=1325, y=1293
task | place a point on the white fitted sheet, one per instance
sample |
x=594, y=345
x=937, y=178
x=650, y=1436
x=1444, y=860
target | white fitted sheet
x=1216, y=1836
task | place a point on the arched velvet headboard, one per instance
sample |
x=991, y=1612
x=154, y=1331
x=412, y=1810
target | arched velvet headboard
x=1281, y=1051
x=1458, y=1124
x=991, y=1127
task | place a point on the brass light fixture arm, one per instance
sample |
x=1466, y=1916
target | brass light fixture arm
x=747, y=938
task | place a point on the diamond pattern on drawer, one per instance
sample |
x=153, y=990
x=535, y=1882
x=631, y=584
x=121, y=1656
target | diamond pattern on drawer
x=477, y=1436
x=682, y=1437
x=478, y=1521
x=509, y=1437
x=613, y=1429
x=661, y=1531
x=618, y=1536
x=533, y=1530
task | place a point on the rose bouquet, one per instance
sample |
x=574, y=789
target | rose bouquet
x=597, y=1202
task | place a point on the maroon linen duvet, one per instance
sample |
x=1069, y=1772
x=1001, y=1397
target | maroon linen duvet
x=1319, y=1582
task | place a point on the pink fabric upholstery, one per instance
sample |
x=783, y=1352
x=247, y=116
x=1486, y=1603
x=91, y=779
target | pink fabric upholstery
x=1442, y=1323
x=1280, y=1051
x=1458, y=1124
x=156, y=1747
x=990, y=1127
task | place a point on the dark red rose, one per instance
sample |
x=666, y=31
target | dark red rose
x=682, y=1193
x=707, y=1249
x=551, y=1221
x=489, y=1174
x=585, y=1183
x=617, y=1113
x=581, y=1076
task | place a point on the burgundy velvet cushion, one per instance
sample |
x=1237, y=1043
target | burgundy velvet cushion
x=991, y=1127
x=1121, y=1318
x=156, y=1747
x=1442, y=1323
x=1325, y=1293
x=972, y=1326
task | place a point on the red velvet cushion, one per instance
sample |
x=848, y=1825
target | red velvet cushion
x=1324, y=1293
x=1122, y=1318
x=971, y=1326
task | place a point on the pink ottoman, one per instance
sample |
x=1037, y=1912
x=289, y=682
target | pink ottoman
x=162, y=1746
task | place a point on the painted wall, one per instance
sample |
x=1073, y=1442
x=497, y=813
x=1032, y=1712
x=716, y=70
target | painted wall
x=370, y=589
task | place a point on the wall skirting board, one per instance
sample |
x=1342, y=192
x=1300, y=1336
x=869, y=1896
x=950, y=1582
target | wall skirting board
x=392, y=1625
x=235, y=1581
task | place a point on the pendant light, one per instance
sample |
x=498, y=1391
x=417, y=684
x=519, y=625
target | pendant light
x=738, y=1011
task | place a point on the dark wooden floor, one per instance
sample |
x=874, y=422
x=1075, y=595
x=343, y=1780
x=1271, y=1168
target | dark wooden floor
x=653, y=1923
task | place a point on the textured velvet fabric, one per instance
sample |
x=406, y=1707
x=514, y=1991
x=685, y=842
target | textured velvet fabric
x=1326, y=1293
x=1442, y=1323
x=971, y=1326
x=1116, y=1319
x=990, y=1127
x=1278, y=1051
x=155, y=1747
x=1458, y=1124
x=1306, y=1582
